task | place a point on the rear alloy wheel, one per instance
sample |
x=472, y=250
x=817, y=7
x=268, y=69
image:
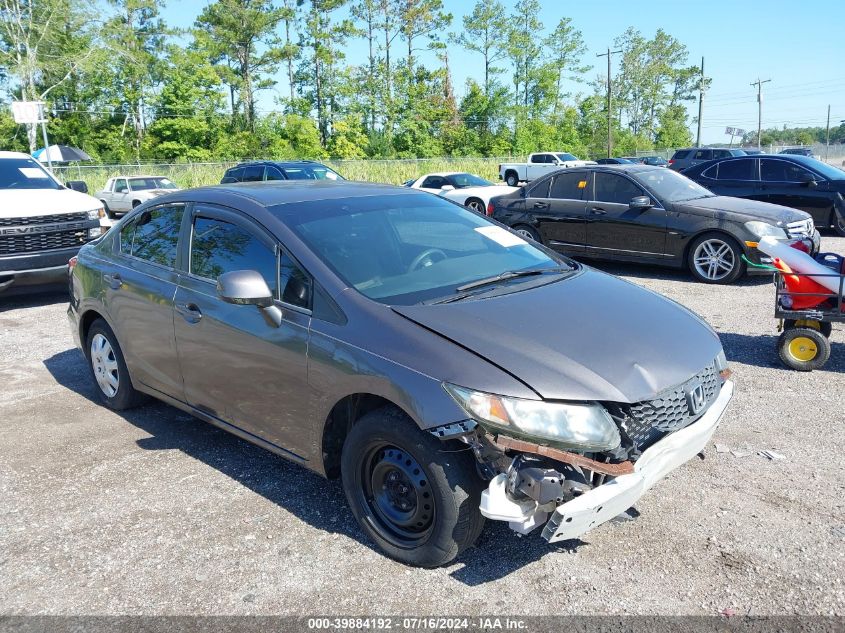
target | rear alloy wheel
x=108, y=369
x=528, y=233
x=476, y=205
x=803, y=349
x=416, y=496
x=511, y=179
x=715, y=259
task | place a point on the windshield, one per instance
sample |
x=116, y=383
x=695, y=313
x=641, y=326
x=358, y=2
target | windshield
x=828, y=171
x=468, y=180
x=145, y=184
x=405, y=249
x=670, y=186
x=566, y=156
x=24, y=173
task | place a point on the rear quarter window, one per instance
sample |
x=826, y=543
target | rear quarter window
x=680, y=154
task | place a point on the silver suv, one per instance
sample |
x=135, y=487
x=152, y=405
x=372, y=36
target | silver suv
x=684, y=158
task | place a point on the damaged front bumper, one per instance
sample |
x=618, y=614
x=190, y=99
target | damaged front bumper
x=600, y=504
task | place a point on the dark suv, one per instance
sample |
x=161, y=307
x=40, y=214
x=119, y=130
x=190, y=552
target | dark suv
x=692, y=156
x=279, y=170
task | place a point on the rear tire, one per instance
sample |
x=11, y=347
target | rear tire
x=476, y=205
x=511, y=179
x=715, y=258
x=528, y=233
x=838, y=223
x=108, y=368
x=416, y=496
x=803, y=349
x=136, y=203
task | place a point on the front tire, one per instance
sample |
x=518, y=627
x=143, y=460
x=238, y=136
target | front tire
x=108, y=368
x=715, y=258
x=414, y=495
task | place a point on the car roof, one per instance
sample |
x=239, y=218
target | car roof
x=280, y=192
x=277, y=163
x=14, y=155
x=440, y=173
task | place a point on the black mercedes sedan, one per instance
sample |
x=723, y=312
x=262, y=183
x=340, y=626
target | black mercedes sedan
x=794, y=181
x=640, y=213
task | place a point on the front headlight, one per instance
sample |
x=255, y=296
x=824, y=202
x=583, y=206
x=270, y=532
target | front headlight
x=763, y=229
x=580, y=426
x=95, y=214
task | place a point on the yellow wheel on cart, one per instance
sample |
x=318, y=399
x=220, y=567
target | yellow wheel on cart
x=803, y=348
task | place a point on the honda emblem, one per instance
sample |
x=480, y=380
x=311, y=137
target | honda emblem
x=696, y=399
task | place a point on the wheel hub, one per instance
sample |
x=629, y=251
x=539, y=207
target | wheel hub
x=803, y=349
x=397, y=492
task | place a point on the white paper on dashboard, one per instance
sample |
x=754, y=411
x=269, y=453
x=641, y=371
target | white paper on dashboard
x=501, y=236
x=32, y=172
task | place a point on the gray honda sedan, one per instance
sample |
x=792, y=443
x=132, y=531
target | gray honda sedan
x=446, y=368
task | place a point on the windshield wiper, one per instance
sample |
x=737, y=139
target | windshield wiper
x=510, y=274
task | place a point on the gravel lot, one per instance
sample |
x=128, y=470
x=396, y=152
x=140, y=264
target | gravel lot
x=153, y=512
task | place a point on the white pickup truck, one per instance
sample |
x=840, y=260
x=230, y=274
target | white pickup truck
x=42, y=223
x=539, y=164
x=122, y=194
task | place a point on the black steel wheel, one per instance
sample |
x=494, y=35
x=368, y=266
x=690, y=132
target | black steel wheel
x=396, y=492
x=413, y=494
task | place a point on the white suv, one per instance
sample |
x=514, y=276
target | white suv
x=42, y=223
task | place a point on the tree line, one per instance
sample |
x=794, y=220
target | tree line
x=125, y=86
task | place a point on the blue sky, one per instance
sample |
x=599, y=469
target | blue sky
x=796, y=45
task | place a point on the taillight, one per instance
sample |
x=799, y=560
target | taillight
x=671, y=161
x=489, y=208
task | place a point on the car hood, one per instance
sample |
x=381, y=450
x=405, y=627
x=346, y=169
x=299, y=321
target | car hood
x=592, y=336
x=753, y=209
x=27, y=203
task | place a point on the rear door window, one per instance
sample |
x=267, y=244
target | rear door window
x=569, y=185
x=741, y=169
x=219, y=247
x=615, y=189
x=253, y=173
x=273, y=174
x=153, y=236
x=703, y=154
x=540, y=190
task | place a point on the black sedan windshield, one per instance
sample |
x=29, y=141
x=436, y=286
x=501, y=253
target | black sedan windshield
x=670, y=186
x=24, y=173
x=405, y=249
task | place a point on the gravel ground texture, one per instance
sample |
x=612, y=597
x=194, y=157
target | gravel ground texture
x=153, y=512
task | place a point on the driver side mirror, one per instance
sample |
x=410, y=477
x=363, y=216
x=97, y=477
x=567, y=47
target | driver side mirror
x=244, y=287
x=447, y=188
x=77, y=185
x=641, y=202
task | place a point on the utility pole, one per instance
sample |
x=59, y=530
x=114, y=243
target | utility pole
x=759, y=85
x=609, y=116
x=701, y=104
x=827, y=142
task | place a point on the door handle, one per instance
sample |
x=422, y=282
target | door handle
x=541, y=205
x=114, y=281
x=598, y=211
x=189, y=311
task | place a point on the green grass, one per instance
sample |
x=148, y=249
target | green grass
x=199, y=174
